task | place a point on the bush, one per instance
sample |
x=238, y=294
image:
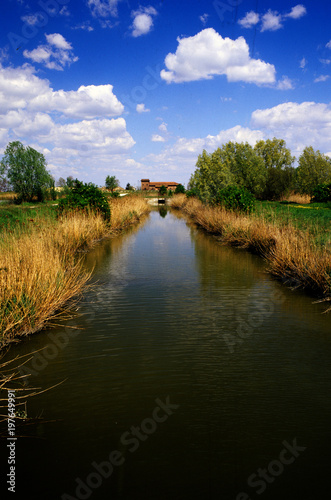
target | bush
x=321, y=193
x=180, y=189
x=235, y=198
x=83, y=196
x=163, y=190
x=192, y=192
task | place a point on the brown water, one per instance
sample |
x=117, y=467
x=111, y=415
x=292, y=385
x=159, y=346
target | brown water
x=193, y=375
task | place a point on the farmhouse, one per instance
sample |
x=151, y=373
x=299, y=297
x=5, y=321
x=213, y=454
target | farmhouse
x=147, y=185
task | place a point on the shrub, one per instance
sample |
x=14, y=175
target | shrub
x=321, y=193
x=83, y=196
x=192, y=192
x=162, y=190
x=180, y=189
x=235, y=198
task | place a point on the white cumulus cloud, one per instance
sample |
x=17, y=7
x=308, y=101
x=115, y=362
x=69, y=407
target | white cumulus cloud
x=301, y=125
x=271, y=21
x=56, y=54
x=157, y=138
x=297, y=12
x=142, y=21
x=140, y=108
x=103, y=8
x=285, y=84
x=73, y=128
x=207, y=54
x=251, y=19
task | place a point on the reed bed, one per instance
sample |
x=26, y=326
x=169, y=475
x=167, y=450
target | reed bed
x=127, y=210
x=302, y=199
x=292, y=255
x=41, y=272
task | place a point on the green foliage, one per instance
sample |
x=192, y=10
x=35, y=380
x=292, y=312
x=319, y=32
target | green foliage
x=232, y=164
x=190, y=193
x=162, y=190
x=83, y=196
x=180, y=189
x=114, y=194
x=278, y=161
x=321, y=193
x=129, y=187
x=314, y=169
x=170, y=193
x=211, y=174
x=111, y=183
x=236, y=198
x=61, y=182
x=25, y=170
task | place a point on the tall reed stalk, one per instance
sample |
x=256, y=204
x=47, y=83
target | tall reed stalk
x=291, y=254
x=41, y=273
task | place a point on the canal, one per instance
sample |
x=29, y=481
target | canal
x=187, y=373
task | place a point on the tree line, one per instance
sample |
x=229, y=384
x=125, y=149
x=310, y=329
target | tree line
x=265, y=170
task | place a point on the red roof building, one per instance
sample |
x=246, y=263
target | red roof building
x=147, y=185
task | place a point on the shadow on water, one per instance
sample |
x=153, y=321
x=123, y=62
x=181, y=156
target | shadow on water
x=191, y=373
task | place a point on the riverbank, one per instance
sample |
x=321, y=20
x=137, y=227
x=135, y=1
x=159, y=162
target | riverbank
x=41, y=274
x=293, y=255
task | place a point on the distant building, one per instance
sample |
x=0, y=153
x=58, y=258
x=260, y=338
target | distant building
x=147, y=185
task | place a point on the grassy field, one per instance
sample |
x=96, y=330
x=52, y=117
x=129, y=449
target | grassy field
x=313, y=218
x=41, y=272
x=294, y=240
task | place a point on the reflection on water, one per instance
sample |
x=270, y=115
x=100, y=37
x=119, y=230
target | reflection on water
x=178, y=319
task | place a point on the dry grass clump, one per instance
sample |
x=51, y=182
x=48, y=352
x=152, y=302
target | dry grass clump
x=127, y=210
x=291, y=254
x=7, y=196
x=40, y=272
x=37, y=279
x=301, y=199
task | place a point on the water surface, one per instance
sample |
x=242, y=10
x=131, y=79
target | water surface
x=175, y=317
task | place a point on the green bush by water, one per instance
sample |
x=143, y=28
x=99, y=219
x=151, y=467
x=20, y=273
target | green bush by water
x=236, y=199
x=85, y=196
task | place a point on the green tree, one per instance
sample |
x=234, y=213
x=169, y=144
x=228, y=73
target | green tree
x=25, y=169
x=61, y=182
x=211, y=174
x=234, y=164
x=279, y=167
x=314, y=169
x=129, y=187
x=111, y=182
x=246, y=166
x=180, y=189
x=163, y=190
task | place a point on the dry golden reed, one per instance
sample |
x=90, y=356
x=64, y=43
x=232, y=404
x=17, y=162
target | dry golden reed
x=291, y=254
x=40, y=269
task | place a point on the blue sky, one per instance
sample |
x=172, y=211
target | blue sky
x=116, y=87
